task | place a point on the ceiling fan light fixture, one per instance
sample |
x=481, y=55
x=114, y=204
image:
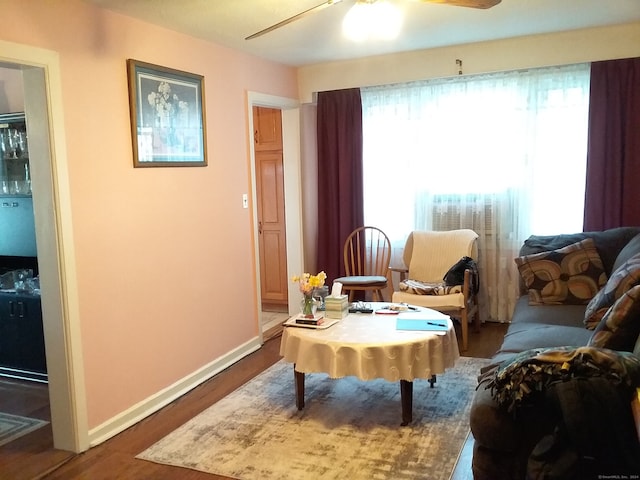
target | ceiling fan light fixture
x=377, y=19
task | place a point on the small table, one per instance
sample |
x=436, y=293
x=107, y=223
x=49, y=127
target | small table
x=368, y=346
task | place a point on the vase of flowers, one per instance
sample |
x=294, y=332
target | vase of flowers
x=307, y=284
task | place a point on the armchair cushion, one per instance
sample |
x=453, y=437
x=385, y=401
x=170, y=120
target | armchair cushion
x=442, y=303
x=425, y=288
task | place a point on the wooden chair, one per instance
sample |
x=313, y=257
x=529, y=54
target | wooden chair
x=429, y=255
x=366, y=254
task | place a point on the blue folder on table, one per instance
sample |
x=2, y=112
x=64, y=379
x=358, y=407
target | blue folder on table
x=422, y=321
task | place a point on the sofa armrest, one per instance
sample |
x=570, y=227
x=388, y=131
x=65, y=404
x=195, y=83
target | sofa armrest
x=502, y=441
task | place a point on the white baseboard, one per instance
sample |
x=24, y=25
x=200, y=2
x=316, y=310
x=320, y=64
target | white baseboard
x=273, y=323
x=162, y=398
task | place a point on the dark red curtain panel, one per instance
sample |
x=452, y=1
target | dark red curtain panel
x=612, y=197
x=340, y=184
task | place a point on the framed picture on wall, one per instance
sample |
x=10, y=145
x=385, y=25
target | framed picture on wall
x=167, y=116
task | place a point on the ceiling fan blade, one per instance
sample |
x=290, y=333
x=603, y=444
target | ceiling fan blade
x=300, y=15
x=467, y=3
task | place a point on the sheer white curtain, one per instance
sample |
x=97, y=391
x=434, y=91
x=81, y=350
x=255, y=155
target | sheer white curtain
x=503, y=154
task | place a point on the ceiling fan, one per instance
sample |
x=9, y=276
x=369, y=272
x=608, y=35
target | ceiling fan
x=483, y=4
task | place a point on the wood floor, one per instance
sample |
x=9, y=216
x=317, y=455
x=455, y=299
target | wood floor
x=33, y=457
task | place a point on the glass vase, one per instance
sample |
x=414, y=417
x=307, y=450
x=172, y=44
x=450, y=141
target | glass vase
x=309, y=305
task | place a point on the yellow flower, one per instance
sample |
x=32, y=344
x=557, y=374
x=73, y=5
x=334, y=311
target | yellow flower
x=308, y=282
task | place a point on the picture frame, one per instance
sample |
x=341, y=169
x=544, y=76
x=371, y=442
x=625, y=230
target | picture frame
x=166, y=106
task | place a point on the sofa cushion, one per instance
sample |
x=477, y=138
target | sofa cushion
x=565, y=315
x=621, y=280
x=568, y=275
x=521, y=337
x=620, y=326
x=609, y=243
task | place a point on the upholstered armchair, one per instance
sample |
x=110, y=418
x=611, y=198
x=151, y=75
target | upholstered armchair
x=428, y=256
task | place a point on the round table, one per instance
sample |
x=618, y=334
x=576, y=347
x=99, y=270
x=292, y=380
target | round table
x=370, y=346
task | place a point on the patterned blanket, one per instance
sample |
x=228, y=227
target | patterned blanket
x=515, y=382
x=423, y=288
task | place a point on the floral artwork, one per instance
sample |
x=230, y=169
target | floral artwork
x=167, y=120
x=167, y=105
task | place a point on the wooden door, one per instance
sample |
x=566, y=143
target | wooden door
x=267, y=124
x=270, y=210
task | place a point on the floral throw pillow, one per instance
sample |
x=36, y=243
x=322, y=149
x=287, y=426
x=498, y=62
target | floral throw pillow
x=568, y=275
x=620, y=326
x=625, y=277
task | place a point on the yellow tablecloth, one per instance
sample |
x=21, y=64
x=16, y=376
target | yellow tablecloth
x=368, y=347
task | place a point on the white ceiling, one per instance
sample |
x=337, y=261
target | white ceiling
x=318, y=38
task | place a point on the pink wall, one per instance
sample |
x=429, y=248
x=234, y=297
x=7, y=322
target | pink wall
x=164, y=255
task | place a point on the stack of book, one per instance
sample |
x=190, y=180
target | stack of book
x=336, y=307
x=315, y=319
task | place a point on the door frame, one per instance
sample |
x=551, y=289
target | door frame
x=290, y=109
x=54, y=239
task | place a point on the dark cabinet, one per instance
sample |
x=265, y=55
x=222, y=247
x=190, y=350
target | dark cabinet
x=21, y=334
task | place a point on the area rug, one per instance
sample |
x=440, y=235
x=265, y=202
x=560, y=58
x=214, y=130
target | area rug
x=348, y=429
x=13, y=427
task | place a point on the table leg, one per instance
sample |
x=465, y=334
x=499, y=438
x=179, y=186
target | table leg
x=299, y=377
x=406, y=398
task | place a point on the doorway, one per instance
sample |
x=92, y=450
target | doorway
x=270, y=210
x=293, y=239
x=23, y=378
x=54, y=239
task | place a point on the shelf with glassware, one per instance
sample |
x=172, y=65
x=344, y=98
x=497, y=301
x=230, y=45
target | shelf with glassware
x=15, y=176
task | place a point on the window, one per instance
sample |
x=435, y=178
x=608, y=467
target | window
x=503, y=154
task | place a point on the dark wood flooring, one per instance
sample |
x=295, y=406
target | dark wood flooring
x=33, y=456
